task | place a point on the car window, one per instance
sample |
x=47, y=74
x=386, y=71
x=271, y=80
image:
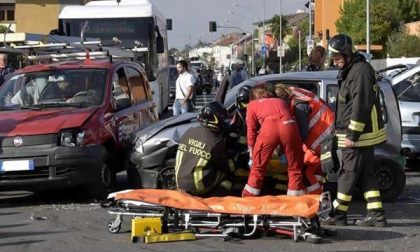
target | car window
x=331, y=97
x=84, y=87
x=120, y=85
x=138, y=93
x=409, y=89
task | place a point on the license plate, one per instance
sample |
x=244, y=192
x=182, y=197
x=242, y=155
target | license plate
x=16, y=165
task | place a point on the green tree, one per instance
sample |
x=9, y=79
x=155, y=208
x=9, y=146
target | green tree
x=383, y=20
x=275, y=27
x=401, y=44
x=292, y=54
x=408, y=10
x=386, y=18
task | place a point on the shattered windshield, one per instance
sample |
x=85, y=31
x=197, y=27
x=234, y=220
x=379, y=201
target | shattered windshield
x=60, y=88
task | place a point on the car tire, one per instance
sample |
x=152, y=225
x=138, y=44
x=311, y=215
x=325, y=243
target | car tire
x=391, y=178
x=105, y=179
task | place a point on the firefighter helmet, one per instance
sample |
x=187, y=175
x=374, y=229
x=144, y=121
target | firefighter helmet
x=340, y=44
x=242, y=97
x=213, y=116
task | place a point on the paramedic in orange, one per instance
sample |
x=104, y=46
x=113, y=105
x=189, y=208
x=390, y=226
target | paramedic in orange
x=270, y=124
x=316, y=123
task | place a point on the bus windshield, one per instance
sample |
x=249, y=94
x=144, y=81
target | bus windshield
x=127, y=30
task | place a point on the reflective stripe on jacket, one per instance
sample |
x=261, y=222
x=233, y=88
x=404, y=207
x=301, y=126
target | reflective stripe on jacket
x=359, y=115
x=321, y=117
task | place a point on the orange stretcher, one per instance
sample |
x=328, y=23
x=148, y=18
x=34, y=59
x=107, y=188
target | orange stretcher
x=221, y=216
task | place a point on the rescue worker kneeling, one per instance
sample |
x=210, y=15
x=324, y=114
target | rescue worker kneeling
x=269, y=124
x=202, y=166
x=316, y=124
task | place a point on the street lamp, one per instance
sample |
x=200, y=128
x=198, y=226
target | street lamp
x=252, y=32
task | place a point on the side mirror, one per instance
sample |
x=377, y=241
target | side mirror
x=123, y=103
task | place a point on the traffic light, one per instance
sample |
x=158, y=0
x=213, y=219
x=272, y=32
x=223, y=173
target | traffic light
x=212, y=26
x=169, y=24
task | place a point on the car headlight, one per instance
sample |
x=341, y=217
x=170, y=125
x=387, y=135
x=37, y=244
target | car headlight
x=71, y=138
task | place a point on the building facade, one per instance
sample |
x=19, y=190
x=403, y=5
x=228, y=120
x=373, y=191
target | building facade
x=34, y=16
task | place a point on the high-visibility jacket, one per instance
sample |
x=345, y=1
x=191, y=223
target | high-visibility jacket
x=321, y=117
x=359, y=115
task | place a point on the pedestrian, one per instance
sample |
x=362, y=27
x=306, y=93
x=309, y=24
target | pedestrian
x=270, y=124
x=5, y=69
x=359, y=127
x=202, y=165
x=184, y=89
x=237, y=76
x=316, y=59
x=316, y=124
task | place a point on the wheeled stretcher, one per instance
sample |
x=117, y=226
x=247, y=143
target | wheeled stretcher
x=228, y=217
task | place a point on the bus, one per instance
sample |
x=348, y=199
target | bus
x=136, y=25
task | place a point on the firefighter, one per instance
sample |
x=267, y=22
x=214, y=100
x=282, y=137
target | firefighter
x=202, y=167
x=359, y=127
x=269, y=124
x=316, y=124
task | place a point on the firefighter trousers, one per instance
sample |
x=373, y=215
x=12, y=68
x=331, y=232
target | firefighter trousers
x=357, y=171
x=276, y=132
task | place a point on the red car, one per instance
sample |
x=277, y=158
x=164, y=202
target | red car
x=69, y=123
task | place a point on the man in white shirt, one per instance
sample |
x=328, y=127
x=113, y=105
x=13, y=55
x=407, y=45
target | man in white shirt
x=184, y=88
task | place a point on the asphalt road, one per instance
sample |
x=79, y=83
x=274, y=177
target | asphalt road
x=65, y=221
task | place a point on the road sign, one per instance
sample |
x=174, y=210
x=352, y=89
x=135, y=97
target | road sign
x=280, y=51
x=263, y=51
x=309, y=46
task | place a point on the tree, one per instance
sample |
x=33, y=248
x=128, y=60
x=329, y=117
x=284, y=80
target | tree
x=383, y=20
x=173, y=51
x=408, y=10
x=403, y=45
x=275, y=27
x=386, y=17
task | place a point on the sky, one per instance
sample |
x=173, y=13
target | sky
x=190, y=18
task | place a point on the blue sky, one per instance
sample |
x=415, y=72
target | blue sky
x=190, y=17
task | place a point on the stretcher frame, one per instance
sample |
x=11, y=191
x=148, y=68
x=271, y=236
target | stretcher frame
x=210, y=224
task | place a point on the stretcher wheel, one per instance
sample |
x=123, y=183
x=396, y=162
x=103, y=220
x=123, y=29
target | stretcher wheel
x=114, y=227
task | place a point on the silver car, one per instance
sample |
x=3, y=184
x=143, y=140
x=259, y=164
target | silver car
x=155, y=147
x=408, y=95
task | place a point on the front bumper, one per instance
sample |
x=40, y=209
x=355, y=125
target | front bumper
x=53, y=166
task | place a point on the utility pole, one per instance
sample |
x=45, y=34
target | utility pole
x=367, y=27
x=310, y=19
x=263, y=56
x=281, y=39
x=300, y=52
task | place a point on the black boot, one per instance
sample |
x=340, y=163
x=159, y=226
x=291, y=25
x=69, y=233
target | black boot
x=372, y=219
x=336, y=219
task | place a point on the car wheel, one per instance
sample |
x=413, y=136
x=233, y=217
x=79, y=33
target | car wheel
x=104, y=181
x=391, y=178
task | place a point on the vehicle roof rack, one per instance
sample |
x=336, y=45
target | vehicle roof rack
x=37, y=48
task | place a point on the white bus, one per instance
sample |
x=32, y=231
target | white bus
x=130, y=24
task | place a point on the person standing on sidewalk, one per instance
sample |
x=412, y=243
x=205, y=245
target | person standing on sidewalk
x=359, y=128
x=184, y=89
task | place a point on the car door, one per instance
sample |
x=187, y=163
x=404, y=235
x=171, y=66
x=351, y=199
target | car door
x=122, y=104
x=144, y=109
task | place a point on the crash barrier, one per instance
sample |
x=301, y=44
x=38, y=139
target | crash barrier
x=169, y=215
